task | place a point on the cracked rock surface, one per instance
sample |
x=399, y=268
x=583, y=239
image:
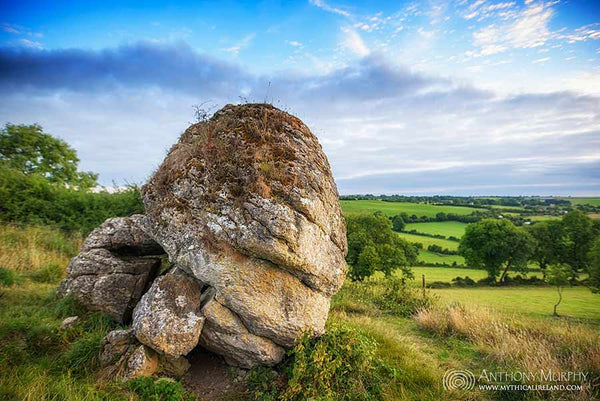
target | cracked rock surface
x=247, y=211
x=167, y=318
x=113, y=269
x=246, y=204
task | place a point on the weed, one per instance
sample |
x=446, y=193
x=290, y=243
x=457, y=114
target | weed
x=8, y=277
x=161, y=389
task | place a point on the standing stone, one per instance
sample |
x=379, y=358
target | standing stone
x=246, y=204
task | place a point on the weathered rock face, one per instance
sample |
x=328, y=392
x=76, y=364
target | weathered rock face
x=247, y=205
x=111, y=273
x=246, y=208
x=167, y=318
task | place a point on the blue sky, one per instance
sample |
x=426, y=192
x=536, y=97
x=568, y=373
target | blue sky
x=460, y=97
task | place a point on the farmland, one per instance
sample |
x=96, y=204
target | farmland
x=445, y=228
x=394, y=208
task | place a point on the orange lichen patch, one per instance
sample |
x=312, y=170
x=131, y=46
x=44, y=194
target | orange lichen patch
x=242, y=150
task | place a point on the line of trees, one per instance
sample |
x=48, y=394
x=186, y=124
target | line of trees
x=40, y=184
x=498, y=246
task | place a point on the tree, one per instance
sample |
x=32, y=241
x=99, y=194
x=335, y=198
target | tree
x=548, y=243
x=594, y=267
x=398, y=223
x=558, y=276
x=579, y=235
x=373, y=246
x=496, y=246
x=26, y=148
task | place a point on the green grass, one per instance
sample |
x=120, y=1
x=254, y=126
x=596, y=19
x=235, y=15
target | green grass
x=426, y=241
x=584, y=201
x=445, y=228
x=578, y=302
x=444, y=274
x=394, y=208
x=541, y=218
x=430, y=257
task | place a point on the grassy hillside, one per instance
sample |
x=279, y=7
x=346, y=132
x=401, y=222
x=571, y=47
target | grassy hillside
x=445, y=228
x=394, y=208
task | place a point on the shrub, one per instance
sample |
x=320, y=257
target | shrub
x=340, y=365
x=162, y=389
x=463, y=282
x=439, y=284
x=401, y=300
x=34, y=200
x=8, y=277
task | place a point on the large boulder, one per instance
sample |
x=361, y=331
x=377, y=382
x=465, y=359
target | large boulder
x=167, y=318
x=114, y=268
x=246, y=204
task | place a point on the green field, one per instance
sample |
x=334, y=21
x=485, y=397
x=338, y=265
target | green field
x=431, y=257
x=394, y=208
x=445, y=228
x=541, y=218
x=584, y=201
x=577, y=302
x=426, y=241
x=445, y=274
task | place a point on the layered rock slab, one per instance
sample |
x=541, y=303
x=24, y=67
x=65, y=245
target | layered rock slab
x=113, y=269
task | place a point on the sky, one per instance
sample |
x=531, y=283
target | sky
x=465, y=97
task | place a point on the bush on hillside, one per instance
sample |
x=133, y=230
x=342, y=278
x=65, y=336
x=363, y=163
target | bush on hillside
x=340, y=365
x=32, y=199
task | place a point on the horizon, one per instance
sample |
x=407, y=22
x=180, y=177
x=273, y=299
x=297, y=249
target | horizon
x=416, y=98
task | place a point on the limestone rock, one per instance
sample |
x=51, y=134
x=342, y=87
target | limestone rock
x=246, y=204
x=142, y=361
x=102, y=281
x=122, y=235
x=173, y=366
x=124, y=357
x=111, y=273
x=225, y=334
x=167, y=317
x=69, y=322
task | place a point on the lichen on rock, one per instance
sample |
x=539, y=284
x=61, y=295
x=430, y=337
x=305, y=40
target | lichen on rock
x=246, y=208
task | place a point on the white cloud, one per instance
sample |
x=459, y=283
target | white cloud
x=31, y=43
x=242, y=44
x=294, y=43
x=541, y=60
x=324, y=6
x=528, y=30
x=353, y=42
x=11, y=29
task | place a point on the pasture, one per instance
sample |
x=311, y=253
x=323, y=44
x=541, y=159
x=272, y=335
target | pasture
x=394, y=208
x=583, y=201
x=445, y=228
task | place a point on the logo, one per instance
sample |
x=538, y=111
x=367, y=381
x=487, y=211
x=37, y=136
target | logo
x=458, y=380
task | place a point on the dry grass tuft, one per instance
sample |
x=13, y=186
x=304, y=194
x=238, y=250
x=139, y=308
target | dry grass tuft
x=29, y=249
x=530, y=345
